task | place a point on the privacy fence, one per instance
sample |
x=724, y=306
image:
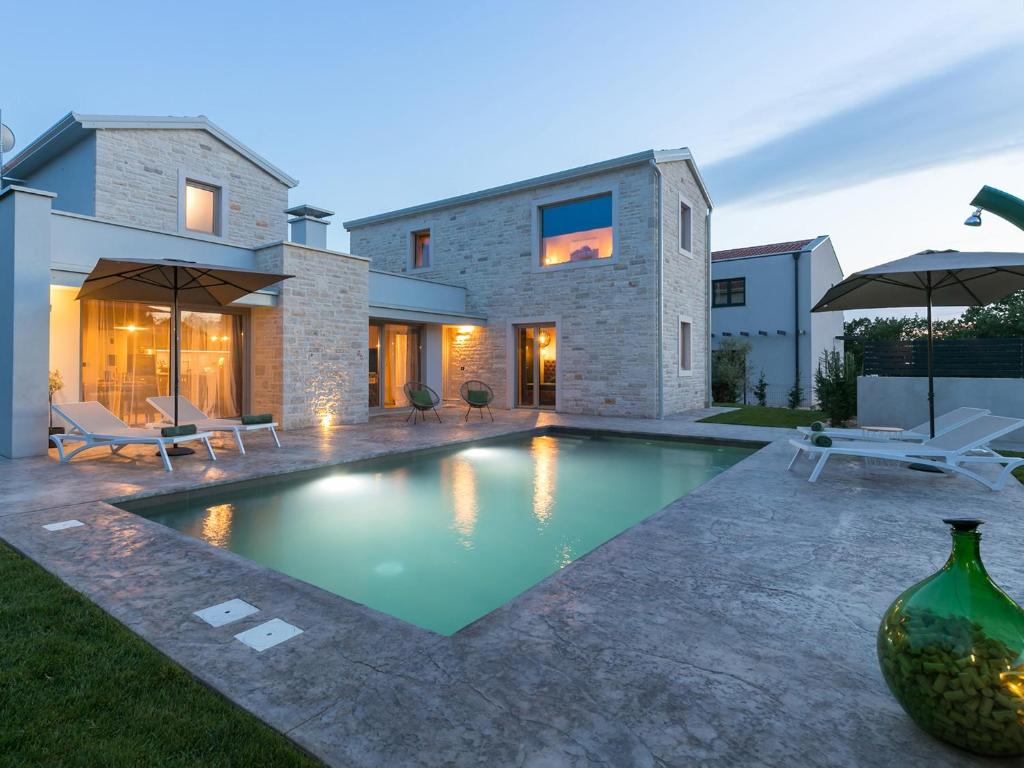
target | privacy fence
x=967, y=358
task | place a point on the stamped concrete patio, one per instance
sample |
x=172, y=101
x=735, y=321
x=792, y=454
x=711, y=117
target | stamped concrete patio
x=735, y=627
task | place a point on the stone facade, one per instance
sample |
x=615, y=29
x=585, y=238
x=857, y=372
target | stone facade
x=309, y=352
x=137, y=182
x=606, y=313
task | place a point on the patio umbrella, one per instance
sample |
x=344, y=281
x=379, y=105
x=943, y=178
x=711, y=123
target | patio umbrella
x=927, y=279
x=173, y=281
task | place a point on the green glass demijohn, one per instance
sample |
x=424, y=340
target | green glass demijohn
x=951, y=647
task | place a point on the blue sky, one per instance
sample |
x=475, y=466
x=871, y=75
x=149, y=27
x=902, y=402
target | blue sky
x=873, y=122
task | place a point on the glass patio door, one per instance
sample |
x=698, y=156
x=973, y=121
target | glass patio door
x=536, y=366
x=394, y=359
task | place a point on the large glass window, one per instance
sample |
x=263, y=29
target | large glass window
x=126, y=358
x=201, y=203
x=580, y=230
x=729, y=293
x=394, y=360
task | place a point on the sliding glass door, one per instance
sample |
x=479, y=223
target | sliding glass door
x=536, y=366
x=394, y=359
x=126, y=358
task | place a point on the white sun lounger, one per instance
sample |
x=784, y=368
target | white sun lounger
x=955, y=451
x=93, y=426
x=920, y=433
x=189, y=414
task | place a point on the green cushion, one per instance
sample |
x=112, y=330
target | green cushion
x=258, y=418
x=476, y=397
x=817, y=427
x=822, y=441
x=421, y=398
x=179, y=431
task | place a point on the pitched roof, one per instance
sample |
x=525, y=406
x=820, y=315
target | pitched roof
x=771, y=249
x=647, y=156
x=71, y=128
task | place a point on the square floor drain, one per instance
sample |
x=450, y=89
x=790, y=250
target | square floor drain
x=224, y=613
x=268, y=634
x=63, y=524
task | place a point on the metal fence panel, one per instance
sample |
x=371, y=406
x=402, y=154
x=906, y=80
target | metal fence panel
x=966, y=358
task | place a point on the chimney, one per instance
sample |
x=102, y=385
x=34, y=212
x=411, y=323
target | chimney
x=309, y=225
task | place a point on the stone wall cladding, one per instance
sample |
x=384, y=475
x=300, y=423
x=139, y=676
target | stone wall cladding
x=607, y=348
x=468, y=358
x=137, y=183
x=309, y=352
x=684, y=290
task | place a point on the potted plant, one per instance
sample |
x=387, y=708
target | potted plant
x=56, y=385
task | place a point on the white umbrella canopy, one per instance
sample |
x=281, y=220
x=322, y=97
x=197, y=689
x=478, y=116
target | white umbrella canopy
x=939, y=278
x=928, y=279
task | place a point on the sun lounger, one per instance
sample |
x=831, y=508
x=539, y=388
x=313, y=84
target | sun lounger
x=188, y=413
x=920, y=433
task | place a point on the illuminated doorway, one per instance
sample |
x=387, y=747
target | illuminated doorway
x=536, y=366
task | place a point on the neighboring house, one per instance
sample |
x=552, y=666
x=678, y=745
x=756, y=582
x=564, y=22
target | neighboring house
x=585, y=291
x=593, y=282
x=763, y=294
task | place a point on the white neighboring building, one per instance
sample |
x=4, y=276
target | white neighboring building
x=764, y=294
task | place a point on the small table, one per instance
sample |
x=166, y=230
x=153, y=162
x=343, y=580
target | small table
x=881, y=434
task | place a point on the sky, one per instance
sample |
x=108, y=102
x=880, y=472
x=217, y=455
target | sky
x=872, y=122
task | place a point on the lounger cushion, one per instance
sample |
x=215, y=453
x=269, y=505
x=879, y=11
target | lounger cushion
x=257, y=418
x=179, y=431
x=476, y=397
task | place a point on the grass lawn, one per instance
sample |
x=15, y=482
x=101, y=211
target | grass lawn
x=77, y=688
x=1019, y=472
x=756, y=416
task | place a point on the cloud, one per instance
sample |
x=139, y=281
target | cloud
x=972, y=108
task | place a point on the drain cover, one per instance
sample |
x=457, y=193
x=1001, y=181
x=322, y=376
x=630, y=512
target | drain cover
x=268, y=634
x=225, y=613
x=63, y=524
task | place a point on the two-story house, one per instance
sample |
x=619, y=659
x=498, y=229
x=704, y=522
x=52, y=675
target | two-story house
x=585, y=291
x=593, y=282
x=763, y=294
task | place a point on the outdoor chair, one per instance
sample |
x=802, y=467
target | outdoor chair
x=94, y=426
x=920, y=433
x=477, y=394
x=957, y=450
x=422, y=399
x=187, y=412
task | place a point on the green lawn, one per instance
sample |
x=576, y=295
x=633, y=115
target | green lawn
x=1019, y=472
x=78, y=689
x=756, y=416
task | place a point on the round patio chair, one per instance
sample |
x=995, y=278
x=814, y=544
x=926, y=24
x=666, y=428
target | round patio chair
x=477, y=394
x=422, y=399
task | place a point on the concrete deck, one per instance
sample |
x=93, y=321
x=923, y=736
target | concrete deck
x=735, y=627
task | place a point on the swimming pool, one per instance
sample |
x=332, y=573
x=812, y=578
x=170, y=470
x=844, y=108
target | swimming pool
x=440, y=538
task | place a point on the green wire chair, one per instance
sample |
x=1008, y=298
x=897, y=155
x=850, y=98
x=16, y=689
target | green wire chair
x=477, y=394
x=422, y=399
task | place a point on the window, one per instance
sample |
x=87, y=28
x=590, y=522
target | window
x=729, y=293
x=579, y=230
x=685, y=346
x=685, y=227
x=421, y=249
x=202, y=202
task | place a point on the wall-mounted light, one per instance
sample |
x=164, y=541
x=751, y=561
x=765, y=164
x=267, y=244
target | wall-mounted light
x=463, y=333
x=326, y=420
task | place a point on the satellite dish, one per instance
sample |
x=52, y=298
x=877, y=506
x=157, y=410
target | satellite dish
x=6, y=138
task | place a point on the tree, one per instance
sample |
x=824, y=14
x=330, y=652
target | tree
x=836, y=384
x=761, y=390
x=729, y=370
x=1001, y=320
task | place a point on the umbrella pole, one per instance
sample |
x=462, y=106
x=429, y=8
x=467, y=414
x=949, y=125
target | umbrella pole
x=176, y=450
x=931, y=376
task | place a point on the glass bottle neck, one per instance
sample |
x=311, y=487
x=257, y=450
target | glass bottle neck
x=966, y=551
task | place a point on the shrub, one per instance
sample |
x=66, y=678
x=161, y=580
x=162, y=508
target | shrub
x=836, y=385
x=729, y=370
x=795, y=395
x=761, y=390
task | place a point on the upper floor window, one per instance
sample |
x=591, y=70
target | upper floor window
x=202, y=205
x=421, y=249
x=731, y=292
x=579, y=230
x=685, y=227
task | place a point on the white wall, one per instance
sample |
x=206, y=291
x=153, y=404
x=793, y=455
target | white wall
x=65, y=341
x=902, y=401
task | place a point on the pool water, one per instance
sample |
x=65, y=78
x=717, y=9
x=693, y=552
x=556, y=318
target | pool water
x=441, y=538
